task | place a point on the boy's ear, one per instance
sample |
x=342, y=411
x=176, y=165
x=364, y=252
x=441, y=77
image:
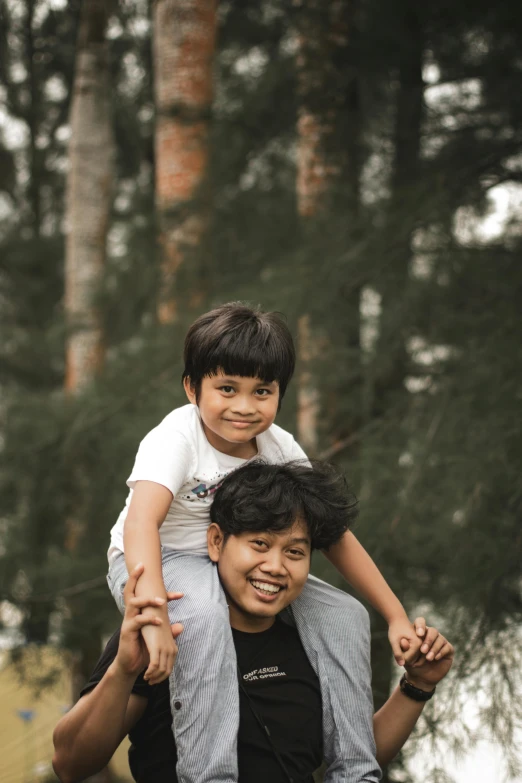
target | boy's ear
x=190, y=390
x=215, y=541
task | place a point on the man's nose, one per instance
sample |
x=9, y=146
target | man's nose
x=273, y=563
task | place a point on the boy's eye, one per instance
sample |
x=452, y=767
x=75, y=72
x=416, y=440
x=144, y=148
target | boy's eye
x=263, y=392
x=226, y=389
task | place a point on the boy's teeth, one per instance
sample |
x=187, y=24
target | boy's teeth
x=266, y=587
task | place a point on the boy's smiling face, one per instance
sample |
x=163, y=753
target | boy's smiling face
x=234, y=410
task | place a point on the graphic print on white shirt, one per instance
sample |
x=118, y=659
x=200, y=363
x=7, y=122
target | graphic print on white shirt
x=177, y=455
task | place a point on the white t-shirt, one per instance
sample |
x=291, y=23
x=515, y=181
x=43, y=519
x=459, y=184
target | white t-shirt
x=178, y=455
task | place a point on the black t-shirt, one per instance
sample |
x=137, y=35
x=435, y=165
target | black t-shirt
x=284, y=691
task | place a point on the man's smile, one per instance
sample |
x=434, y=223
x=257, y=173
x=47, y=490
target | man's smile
x=266, y=589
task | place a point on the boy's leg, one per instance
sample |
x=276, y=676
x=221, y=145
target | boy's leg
x=204, y=695
x=117, y=579
x=203, y=685
x=335, y=632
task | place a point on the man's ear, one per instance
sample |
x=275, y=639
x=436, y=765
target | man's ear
x=190, y=390
x=215, y=541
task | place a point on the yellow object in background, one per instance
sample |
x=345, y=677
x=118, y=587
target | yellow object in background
x=28, y=715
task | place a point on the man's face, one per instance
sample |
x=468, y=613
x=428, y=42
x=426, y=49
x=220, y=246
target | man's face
x=261, y=573
x=234, y=410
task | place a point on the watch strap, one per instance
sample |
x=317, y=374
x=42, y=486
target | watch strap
x=412, y=692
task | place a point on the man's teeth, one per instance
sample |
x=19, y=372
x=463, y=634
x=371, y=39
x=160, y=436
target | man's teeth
x=266, y=587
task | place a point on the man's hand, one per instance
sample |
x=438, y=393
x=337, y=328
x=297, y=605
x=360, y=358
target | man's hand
x=426, y=672
x=133, y=655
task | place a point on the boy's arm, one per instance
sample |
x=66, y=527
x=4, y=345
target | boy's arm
x=396, y=719
x=356, y=566
x=147, y=511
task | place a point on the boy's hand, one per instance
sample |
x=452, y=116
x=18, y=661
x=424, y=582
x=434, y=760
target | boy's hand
x=132, y=656
x=405, y=642
x=162, y=651
x=425, y=674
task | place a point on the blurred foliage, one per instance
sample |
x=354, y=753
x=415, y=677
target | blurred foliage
x=431, y=388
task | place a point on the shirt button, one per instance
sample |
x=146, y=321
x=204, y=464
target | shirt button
x=177, y=705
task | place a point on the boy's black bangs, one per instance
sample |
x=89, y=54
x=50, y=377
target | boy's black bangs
x=248, y=354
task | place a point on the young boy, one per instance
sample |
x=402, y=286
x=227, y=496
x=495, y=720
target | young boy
x=238, y=362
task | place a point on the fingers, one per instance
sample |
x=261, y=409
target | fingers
x=161, y=668
x=420, y=626
x=398, y=653
x=429, y=640
x=154, y=659
x=132, y=581
x=436, y=646
x=446, y=650
x=412, y=653
x=133, y=625
x=161, y=672
x=174, y=596
x=134, y=605
x=405, y=644
x=176, y=629
x=142, y=602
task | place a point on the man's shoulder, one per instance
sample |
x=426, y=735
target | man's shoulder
x=140, y=687
x=285, y=442
x=326, y=594
x=106, y=658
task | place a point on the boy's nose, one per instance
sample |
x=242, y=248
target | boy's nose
x=243, y=406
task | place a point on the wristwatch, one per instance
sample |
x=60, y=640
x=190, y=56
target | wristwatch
x=412, y=692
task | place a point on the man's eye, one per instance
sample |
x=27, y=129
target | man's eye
x=295, y=553
x=258, y=542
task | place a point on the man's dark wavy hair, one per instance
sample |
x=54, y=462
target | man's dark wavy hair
x=258, y=497
x=239, y=340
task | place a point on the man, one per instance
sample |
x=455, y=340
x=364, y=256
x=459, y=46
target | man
x=266, y=521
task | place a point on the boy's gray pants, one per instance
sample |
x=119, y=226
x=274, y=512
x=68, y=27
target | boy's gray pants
x=334, y=630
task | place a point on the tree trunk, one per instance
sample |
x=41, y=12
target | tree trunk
x=403, y=215
x=89, y=186
x=328, y=111
x=390, y=397
x=89, y=192
x=34, y=154
x=184, y=45
x=327, y=189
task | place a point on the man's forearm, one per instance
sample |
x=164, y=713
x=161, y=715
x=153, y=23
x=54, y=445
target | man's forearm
x=393, y=724
x=86, y=738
